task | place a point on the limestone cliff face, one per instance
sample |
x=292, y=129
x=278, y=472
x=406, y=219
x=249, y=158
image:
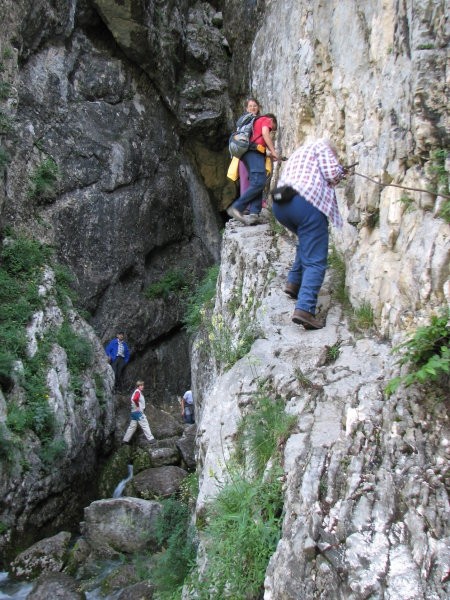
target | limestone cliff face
x=372, y=77
x=365, y=501
x=365, y=492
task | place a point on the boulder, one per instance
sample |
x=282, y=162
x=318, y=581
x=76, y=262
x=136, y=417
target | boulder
x=161, y=457
x=46, y=556
x=57, y=586
x=186, y=446
x=120, y=525
x=162, y=424
x=139, y=591
x=157, y=482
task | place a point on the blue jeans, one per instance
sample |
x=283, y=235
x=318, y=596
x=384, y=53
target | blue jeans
x=311, y=227
x=256, y=167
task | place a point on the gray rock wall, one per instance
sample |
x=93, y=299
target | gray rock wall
x=371, y=76
x=365, y=501
x=129, y=205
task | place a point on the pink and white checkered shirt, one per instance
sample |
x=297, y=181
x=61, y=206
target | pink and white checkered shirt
x=313, y=171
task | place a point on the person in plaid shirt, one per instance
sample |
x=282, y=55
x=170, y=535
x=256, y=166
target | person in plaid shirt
x=304, y=202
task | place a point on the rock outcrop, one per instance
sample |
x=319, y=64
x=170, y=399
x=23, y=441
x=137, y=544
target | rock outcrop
x=46, y=556
x=120, y=525
x=370, y=76
x=365, y=502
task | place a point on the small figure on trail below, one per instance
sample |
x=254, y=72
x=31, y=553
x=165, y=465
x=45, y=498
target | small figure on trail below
x=118, y=354
x=187, y=407
x=138, y=417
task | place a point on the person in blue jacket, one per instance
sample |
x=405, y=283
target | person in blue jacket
x=118, y=355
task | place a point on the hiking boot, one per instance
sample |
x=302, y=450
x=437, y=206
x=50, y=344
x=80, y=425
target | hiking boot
x=291, y=289
x=252, y=219
x=308, y=320
x=235, y=214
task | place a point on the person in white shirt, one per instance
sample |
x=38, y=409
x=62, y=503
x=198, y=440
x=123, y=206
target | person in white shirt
x=187, y=407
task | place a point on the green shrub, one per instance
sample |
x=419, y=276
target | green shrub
x=332, y=352
x=201, y=301
x=64, y=280
x=175, y=535
x=4, y=158
x=229, y=345
x=6, y=123
x=5, y=90
x=408, y=203
x=99, y=388
x=7, y=446
x=173, y=282
x=242, y=531
x=18, y=418
x=363, y=316
x=80, y=354
x=337, y=265
x=52, y=451
x=437, y=170
x=23, y=256
x=43, y=180
x=426, y=353
x=263, y=429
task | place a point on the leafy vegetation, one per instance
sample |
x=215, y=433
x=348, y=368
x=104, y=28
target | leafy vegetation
x=332, y=352
x=408, y=203
x=175, y=535
x=43, y=180
x=262, y=429
x=440, y=179
x=337, y=265
x=22, y=264
x=6, y=123
x=4, y=158
x=201, y=301
x=228, y=345
x=363, y=316
x=243, y=523
x=242, y=531
x=5, y=90
x=427, y=354
x=173, y=282
x=7, y=52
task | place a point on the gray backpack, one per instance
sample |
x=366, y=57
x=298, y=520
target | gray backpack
x=239, y=141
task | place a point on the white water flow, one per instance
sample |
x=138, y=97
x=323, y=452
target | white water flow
x=119, y=489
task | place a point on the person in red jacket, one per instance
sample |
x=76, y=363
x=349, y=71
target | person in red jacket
x=137, y=415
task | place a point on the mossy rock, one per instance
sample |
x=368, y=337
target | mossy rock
x=141, y=461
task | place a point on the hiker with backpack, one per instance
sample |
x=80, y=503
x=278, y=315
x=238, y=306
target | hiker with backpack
x=251, y=107
x=254, y=157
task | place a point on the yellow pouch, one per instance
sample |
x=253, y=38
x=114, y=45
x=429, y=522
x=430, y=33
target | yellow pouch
x=233, y=169
x=268, y=165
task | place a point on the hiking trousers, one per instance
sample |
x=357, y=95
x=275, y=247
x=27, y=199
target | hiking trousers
x=310, y=264
x=143, y=424
x=256, y=167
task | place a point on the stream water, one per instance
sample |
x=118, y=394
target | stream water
x=119, y=489
x=17, y=590
x=11, y=589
